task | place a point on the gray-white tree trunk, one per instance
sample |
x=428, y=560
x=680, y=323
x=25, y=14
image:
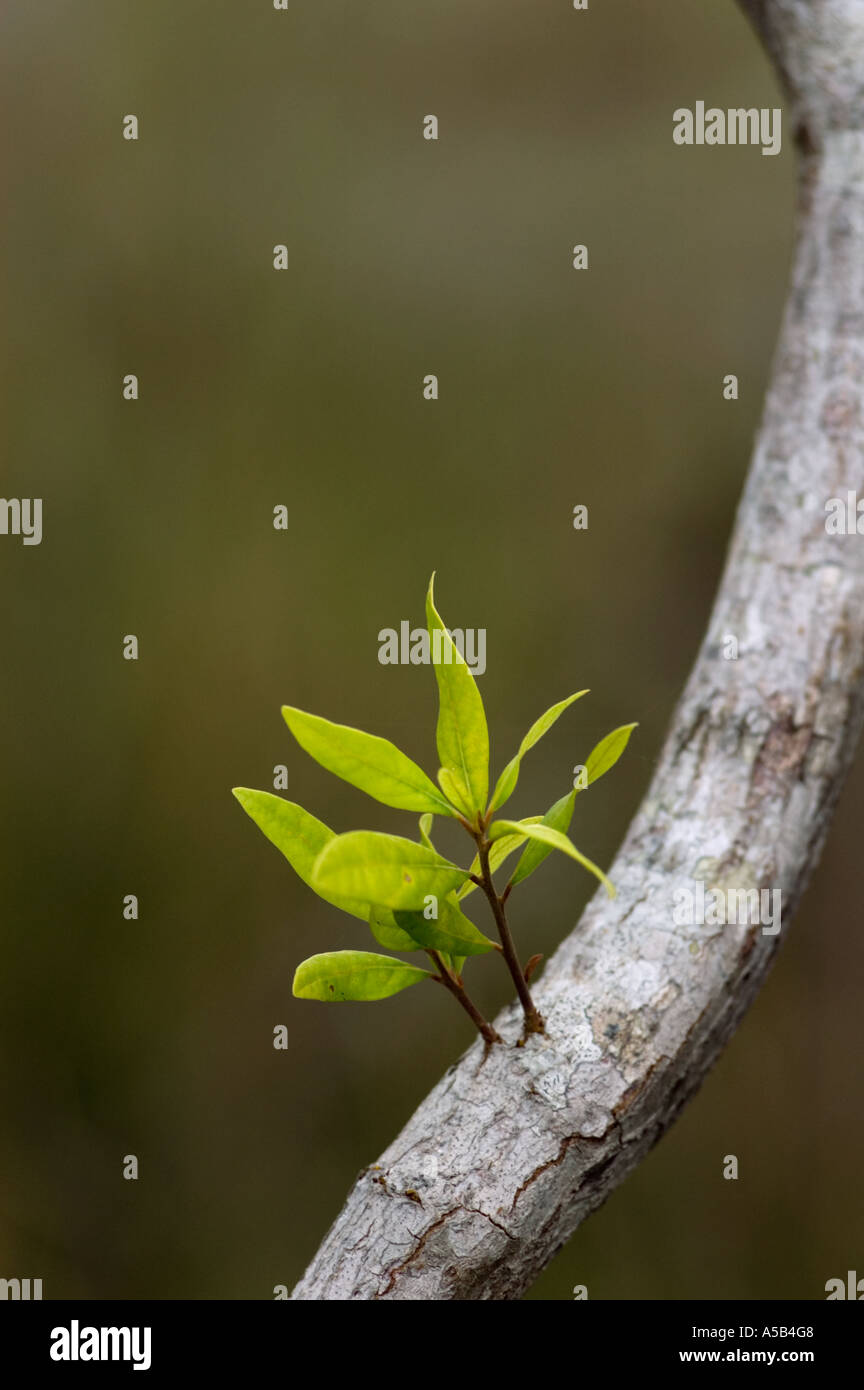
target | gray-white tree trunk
x=501, y=1163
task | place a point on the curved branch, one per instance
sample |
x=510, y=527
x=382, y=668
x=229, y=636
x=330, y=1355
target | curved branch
x=503, y=1160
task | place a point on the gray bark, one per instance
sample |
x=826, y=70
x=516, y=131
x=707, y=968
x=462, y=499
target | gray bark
x=503, y=1160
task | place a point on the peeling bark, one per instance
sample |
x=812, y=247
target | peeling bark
x=501, y=1163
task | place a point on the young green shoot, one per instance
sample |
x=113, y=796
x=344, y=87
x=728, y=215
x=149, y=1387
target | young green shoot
x=410, y=896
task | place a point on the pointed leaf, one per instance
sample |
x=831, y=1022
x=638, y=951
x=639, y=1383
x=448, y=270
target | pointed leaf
x=301, y=839
x=340, y=975
x=373, y=764
x=426, y=831
x=506, y=784
x=384, y=869
x=558, y=817
x=546, y=835
x=455, y=790
x=462, y=735
x=607, y=752
x=451, y=932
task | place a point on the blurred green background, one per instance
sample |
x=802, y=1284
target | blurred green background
x=603, y=387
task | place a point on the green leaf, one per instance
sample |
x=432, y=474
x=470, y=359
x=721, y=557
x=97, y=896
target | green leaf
x=451, y=932
x=384, y=869
x=498, y=853
x=373, y=764
x=506, y=784
x=340, y=975
x=426, y=831
x=462, y=735
x=546, y=835
x=383, y=926
x=455, y=791
x=300, y=837
x=607, y=752
x=558, y=817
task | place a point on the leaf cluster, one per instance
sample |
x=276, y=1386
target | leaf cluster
x=412, y=897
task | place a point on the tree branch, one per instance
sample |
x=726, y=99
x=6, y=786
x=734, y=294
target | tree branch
x=503, y=1161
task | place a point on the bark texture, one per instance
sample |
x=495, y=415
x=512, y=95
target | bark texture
x=502, y=1161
